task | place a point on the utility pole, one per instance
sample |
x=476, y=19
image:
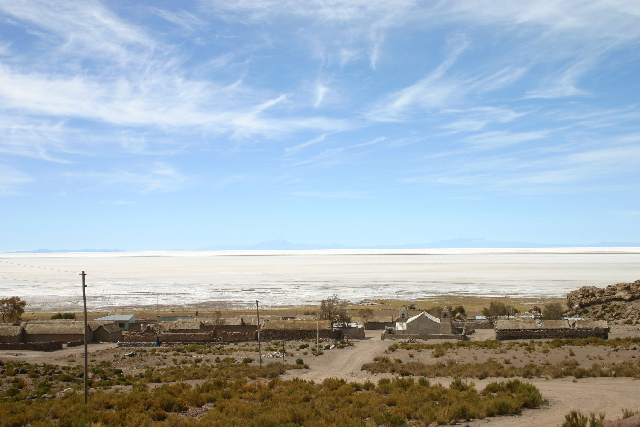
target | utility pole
x=258, y=321
x=86, y=363
x=317, y=332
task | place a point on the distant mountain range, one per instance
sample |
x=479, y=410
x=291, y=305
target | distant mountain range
x=442, y=244
x=53, y=251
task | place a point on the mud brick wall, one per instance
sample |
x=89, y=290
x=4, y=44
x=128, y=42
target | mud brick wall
x=237, y=336
x=396, y=336
x=531, y=334
x=296, y=335
x=34, y=346
x=169, y=337
x=379, y=326
x=471, y=325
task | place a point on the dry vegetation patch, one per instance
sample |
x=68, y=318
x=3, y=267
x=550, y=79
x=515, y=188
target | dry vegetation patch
x=221, y=385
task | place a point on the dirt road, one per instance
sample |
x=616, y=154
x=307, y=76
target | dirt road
x=609, y=395
x=343, y=363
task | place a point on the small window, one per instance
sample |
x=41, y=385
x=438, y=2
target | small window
x=121, y=324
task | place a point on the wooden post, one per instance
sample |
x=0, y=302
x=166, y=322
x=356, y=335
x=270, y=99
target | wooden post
x=86, y=358
x=258, y=321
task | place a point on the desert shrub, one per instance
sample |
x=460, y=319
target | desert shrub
x=578, y=419
x=389, y=419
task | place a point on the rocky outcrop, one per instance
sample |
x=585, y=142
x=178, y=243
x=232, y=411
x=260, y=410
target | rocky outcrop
x=590, y=295
x=633, y=421
x=619, y=303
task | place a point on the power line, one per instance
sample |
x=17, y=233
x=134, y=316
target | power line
x=42, y=268
x=54, y=269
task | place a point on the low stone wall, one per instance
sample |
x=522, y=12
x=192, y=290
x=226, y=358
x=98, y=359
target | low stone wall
x=237, y=336
x=379, y=326
x=169, y=337
x=471, y=325
x=532, y=334
x=353, y=333
x=34, y=346
x=396, y=336
x=279, y=335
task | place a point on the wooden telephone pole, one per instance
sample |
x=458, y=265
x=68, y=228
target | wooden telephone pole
x=86, y=364
x=258, y=321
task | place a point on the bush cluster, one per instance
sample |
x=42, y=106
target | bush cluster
x=490, y=369
x=239, y=402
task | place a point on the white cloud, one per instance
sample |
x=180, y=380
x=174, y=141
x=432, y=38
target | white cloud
x=158, y=177
x=298, y=147
x=476, y=118
x=429, y=92
x=498, y=139
x=341, y=194
x=321, y=91
x=182, y=18
x=10, y=180
x=84, y=28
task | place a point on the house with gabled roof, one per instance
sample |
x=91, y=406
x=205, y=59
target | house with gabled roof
x=10, y=334
x=122, y=320
x=424, y=324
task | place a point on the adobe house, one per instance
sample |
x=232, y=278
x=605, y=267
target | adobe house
x=425, y=324
x=55, y=331
x=106, y=332
x=11, y=334
x=122, y=320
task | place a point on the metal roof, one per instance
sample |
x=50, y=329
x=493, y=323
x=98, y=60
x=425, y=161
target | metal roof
x=118, y=318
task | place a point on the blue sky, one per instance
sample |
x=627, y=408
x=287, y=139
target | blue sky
x=181, y=125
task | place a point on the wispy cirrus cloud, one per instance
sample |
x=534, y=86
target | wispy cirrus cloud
x=340, y=194
x=499, y=139
x=476, y=118
x=157, y=177
x=11, y=179
x=334, y=155
x=182, y=18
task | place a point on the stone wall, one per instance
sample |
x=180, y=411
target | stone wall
x=289, y=335
x=379, y=326
x=36, y=338
x=34, y=346
x=201, y=337
x=529, y=334
x=353, y=333
x=472, y=325
x=396, y=336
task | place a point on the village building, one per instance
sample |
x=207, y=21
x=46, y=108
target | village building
x=124, y=321
x=10, y=334
x=106, y=332
x=63, y=331
x=424, y=324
